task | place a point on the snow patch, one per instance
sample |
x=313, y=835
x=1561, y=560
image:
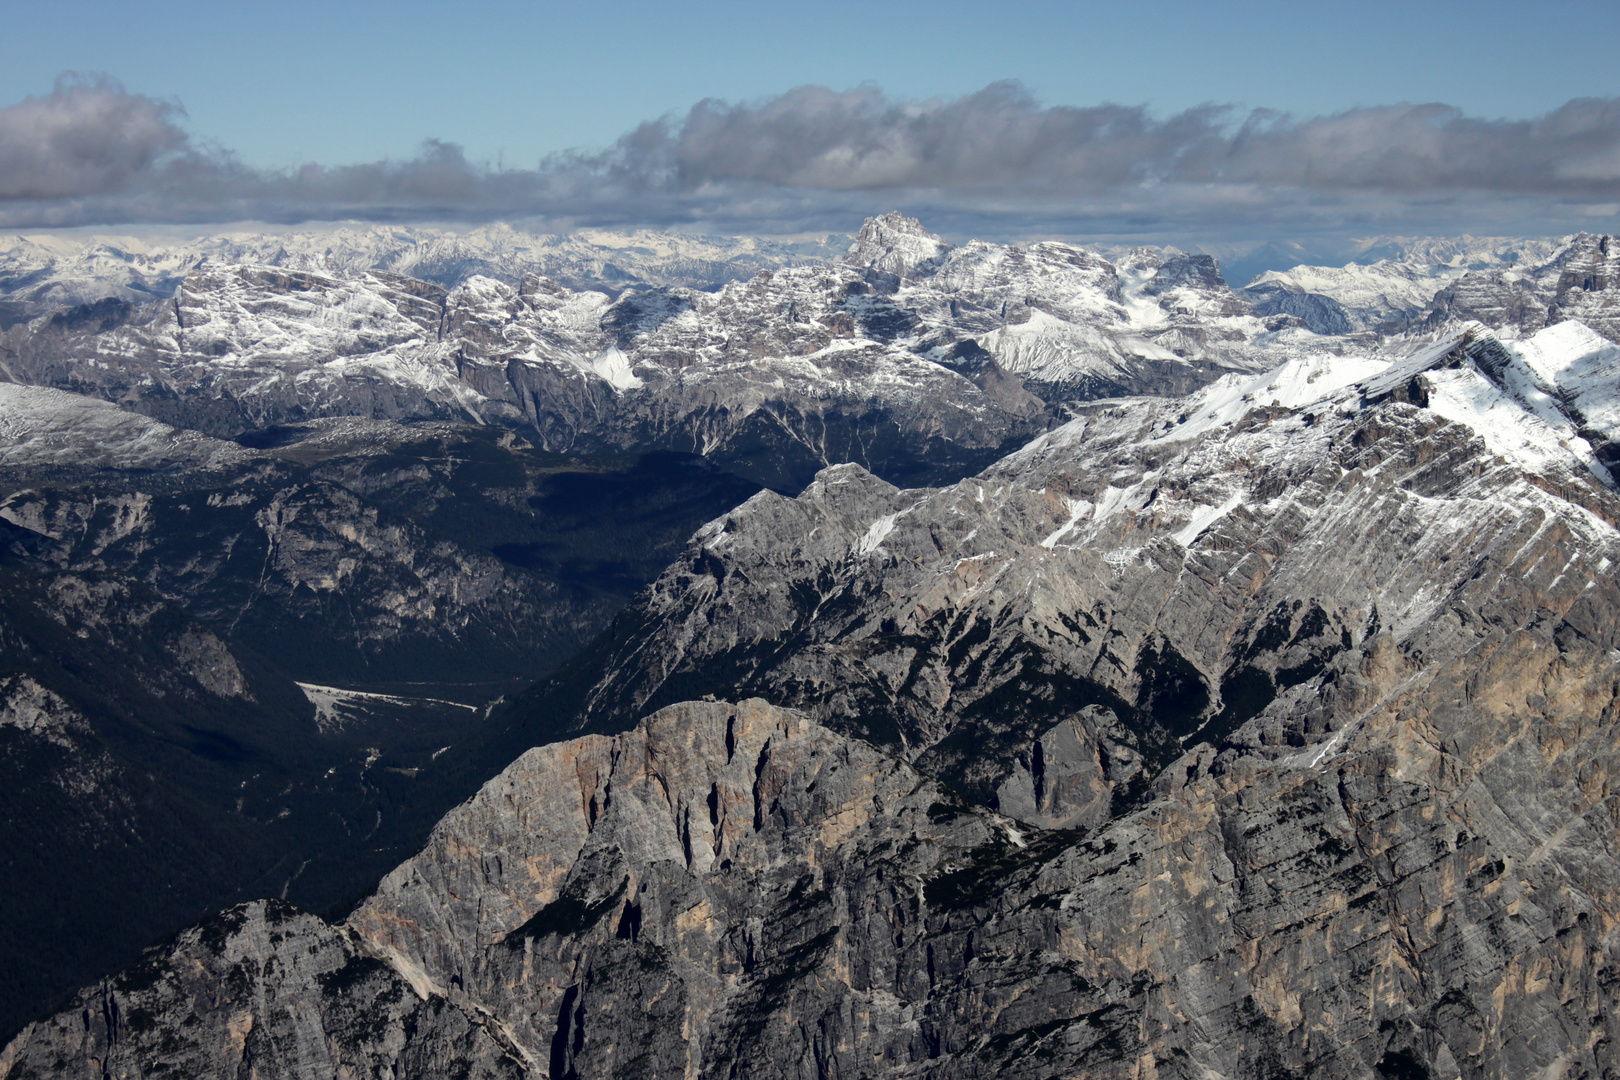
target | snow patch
x=876, y=534
x=1293, y=385
x=1078, y=509
x=1581, y=368
x=335, y=707
x=614, y=366
x=1202, y=518
x=1513, y=432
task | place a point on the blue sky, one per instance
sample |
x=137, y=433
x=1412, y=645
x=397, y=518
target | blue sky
x=290, y=82
x=266, y=88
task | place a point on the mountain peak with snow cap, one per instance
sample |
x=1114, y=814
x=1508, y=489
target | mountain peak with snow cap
x=894, y=244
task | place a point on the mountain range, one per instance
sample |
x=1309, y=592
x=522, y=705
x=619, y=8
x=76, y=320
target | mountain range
x=933, y=660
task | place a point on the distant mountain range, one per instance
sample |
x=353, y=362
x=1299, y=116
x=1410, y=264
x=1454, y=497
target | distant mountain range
x=906, y=354
x=43, y=272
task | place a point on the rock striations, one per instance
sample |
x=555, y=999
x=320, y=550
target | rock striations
x=1267, y=731
x=735, y=890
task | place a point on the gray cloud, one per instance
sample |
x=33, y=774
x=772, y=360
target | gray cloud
x=1001, y=139
x=994, y=162
x=87, y=137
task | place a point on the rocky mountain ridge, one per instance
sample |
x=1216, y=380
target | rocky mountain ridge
x=734, y=889
x=1299, y=756
x=1097, y=566
x=913, y=357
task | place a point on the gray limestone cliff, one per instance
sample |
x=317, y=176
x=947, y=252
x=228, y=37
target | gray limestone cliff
x=735, y=890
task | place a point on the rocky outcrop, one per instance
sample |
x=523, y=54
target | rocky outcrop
x=894, y=246
x=1362, y=882
x=1398, y=283
x=1492, y=297
x=258, y=990
x=1322, y=314
x=1580, y=283
x=1587, y=288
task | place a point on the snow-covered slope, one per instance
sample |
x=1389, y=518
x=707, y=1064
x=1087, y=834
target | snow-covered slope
x=42, y=428
x=1515, y=286
x=1068, y=320
x=905, y=354
x=1364, y=296
x=1578, y=369
x=1460, y=253
x=906, y=350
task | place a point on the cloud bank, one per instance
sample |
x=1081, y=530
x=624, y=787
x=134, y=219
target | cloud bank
x=994, y=162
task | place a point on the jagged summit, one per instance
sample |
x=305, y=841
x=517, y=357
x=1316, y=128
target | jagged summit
x=1181, y=269
x=894, y=244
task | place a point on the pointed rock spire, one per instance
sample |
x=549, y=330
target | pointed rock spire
x=894, y=244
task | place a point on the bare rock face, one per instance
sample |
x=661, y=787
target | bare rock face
x=1069, y=774
x=258, y=990
x=1323, y=314
x=894, y=245
x=700, y=865
x=1588, y=284
x=1579, y=283
x=735, y=890
x=1495, y=298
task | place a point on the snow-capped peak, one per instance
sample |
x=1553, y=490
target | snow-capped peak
x=894, y=244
